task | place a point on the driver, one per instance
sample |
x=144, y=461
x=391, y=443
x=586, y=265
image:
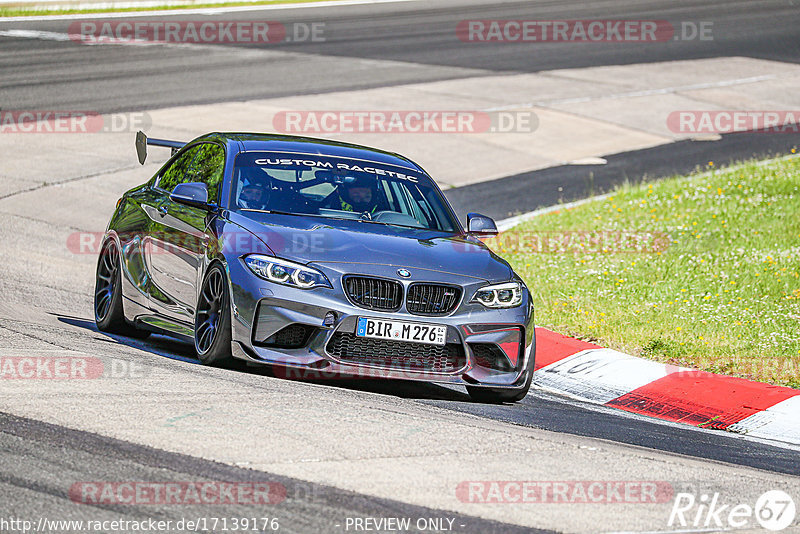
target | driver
x=254, y=196
x=359, y=195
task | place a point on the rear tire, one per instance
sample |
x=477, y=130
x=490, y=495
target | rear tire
x=108, y=313
x=212, y=319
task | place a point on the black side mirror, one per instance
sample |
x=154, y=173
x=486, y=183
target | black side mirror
x=193, y=194
x=481, y=225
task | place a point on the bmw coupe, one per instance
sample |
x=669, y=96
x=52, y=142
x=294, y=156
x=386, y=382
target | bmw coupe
x=309, y=254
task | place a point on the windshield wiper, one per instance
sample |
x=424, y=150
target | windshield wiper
x=276, y=212
x=371, y=221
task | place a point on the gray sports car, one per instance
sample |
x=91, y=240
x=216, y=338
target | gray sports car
x=317, y=258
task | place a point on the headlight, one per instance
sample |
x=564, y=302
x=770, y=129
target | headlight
x=506, y=295
x=285, y=272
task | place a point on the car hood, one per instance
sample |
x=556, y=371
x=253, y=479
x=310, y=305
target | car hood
x=327, y=241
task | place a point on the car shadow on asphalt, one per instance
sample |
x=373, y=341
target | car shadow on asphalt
x=158, y=344
x=175, y=349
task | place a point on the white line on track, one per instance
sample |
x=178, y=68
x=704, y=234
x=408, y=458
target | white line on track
x=77, y=38
x=35, y=34
x=198, y=11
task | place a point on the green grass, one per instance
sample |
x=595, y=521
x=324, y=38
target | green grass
x=26, y=11
x=717, y=286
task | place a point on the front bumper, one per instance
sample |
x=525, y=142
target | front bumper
x=485, y=347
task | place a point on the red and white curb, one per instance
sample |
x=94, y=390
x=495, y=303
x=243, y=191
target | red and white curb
x=603, y=376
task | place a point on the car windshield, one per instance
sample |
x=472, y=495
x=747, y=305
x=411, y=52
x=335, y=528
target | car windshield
x=338, y=188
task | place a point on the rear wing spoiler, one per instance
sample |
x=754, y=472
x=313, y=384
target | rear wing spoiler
x=142, y=141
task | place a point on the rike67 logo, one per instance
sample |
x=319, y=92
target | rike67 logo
x=774, y=510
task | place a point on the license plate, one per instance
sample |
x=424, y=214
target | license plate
x=434, y=334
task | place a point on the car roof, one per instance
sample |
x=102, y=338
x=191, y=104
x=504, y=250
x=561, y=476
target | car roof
x=253, y=142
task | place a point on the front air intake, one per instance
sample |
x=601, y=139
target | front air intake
x=432, y=299
x=374, y=293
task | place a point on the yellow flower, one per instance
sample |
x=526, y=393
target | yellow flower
x=710, y=163
x=678, y=328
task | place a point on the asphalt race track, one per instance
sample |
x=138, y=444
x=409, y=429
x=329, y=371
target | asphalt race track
x=418, y=38
x=342, y=449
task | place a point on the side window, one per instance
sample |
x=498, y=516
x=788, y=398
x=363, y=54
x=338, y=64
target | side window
x=208, y=167
x=177, y=172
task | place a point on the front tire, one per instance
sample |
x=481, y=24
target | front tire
x=108, y=313
x=212, y=319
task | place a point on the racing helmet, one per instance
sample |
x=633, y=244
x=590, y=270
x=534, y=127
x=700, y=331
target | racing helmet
x=255, y=193
x=359, y=202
